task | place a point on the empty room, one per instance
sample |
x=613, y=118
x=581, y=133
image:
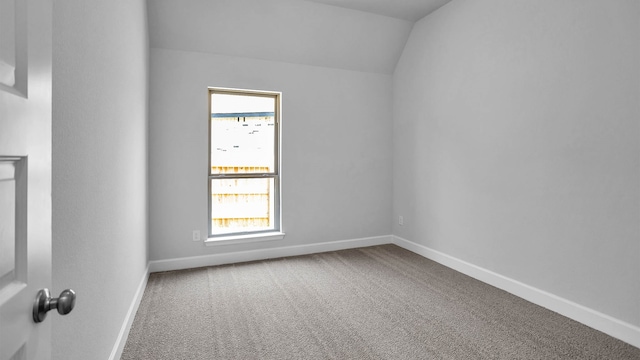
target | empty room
x=320, y=179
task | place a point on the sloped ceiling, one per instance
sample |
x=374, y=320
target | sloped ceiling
x=345, y=34
x=412, y=10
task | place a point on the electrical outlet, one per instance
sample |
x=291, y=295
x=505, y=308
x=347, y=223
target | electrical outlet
x=400, y=220
x=196, y=235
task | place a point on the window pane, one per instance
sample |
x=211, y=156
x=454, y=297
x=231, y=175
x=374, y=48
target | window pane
x=241, y=205
x=242, y=134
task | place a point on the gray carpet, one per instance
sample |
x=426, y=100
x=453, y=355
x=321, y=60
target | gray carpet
x=379, y=302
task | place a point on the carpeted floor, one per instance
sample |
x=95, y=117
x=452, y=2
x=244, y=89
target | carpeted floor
x=380, y=302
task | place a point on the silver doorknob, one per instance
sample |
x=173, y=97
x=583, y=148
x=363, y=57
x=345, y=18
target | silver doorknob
x=44, y=302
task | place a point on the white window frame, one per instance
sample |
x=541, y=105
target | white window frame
x=257, y=235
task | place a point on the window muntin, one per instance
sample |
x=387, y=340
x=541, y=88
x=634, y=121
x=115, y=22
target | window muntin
x=244, y=191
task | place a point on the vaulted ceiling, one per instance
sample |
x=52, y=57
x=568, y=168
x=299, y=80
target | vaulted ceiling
x=411, y=10
x=360, y=35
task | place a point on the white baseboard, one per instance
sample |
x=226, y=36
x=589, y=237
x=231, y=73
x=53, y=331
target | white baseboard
x=121, y=341
x=619, y=329
x=262, y=254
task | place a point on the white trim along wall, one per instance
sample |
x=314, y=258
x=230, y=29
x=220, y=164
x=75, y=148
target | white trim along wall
x=594, y=319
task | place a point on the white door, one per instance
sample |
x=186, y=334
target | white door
x=25, y=175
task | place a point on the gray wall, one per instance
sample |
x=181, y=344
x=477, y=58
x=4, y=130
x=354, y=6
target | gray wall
x=336, y=103
x=336, y=149
x=100, y=73
x=516, y=144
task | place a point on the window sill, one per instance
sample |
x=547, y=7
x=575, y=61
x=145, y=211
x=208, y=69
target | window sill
x=243, y=239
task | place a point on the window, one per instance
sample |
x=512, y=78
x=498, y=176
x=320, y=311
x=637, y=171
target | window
x=244, y=162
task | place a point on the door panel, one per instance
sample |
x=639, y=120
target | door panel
x=25, y=175
x=8, y=218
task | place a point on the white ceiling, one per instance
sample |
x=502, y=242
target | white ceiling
x=360, y=35
x=299, y=32
x=411, y=10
